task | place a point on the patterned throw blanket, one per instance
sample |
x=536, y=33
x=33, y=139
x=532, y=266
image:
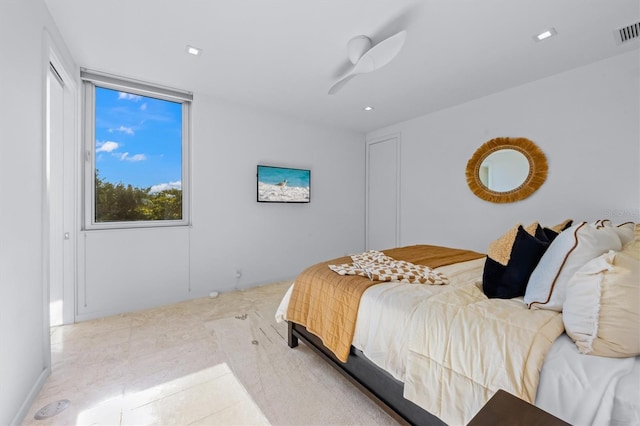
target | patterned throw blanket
x=327, y=303
x=377, y=266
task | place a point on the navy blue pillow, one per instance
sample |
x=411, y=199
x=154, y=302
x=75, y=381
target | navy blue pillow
x=492, y=277
x=567, y=225
x=525, y=255
x=545, y=234
x=506, y=282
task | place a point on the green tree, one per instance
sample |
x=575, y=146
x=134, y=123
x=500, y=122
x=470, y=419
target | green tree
x=117, y=202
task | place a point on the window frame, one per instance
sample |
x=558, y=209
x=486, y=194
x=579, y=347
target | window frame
x=91, y=79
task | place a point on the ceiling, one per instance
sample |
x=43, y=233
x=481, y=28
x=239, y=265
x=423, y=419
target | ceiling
x=284, y=55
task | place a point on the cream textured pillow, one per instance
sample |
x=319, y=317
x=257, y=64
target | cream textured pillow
x=602, y=307
x=567, y=253
x=500, y=249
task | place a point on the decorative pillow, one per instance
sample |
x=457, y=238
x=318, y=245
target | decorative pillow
x=545, y=234
x=506, y=282
x=601, y=222
x=500, y=249
x=626, y=231
x=562, y=225
x=526, y=253
x=492, y=277
x=567, y=253
x=602, y=308
x=552, y=232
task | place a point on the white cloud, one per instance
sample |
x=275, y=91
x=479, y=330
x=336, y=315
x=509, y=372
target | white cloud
x=143, y=107
x=137, y=157
x=107, y=146
x=129, y=96
x=123, y=129
x=165, y=186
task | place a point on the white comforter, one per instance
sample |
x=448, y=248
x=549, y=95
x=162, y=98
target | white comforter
x=464, y=347
x=386, y=311
x=578, y=388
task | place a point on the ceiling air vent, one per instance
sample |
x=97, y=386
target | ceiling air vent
x=628, y=33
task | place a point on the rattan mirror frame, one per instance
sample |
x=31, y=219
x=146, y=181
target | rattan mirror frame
x=538, y=169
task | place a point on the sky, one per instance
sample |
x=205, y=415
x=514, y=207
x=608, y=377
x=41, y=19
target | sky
x=138, y=140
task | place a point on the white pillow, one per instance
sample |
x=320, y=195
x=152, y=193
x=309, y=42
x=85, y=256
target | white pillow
x=570, y=250
x=581, y=307
x=626, y=231
x=601, y=312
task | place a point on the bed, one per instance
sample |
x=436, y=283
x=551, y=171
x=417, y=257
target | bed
x=435, y=354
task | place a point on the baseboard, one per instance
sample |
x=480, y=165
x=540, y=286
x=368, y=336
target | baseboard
x=33, y=394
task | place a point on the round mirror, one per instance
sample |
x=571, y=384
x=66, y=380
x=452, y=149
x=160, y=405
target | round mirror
x=505, y=170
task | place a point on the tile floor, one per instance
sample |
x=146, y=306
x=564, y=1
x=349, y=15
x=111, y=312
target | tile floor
x=220, y=361
x=151, y=367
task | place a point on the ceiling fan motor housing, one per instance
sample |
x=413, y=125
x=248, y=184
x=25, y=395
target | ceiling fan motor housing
x=357, y=46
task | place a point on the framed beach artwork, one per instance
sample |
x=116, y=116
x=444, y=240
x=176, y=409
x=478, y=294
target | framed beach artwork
x=283, y=185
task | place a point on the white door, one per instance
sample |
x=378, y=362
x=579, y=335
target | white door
x=60, y=196
x=55, y=138
x=383, y=193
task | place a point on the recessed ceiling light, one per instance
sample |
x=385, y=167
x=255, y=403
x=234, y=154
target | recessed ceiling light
x=368, y=108
x=545, y=34
x=193, y=50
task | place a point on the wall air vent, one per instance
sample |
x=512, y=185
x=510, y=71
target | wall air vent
x=628, y=33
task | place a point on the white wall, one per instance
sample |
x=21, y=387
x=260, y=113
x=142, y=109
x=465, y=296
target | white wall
x=269, y=241
x=586, y=121
x=127, y=270
x=24, y=351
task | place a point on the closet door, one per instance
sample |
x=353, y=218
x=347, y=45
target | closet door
x=383, y=193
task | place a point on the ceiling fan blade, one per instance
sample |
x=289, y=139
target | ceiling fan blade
x=380, y=54
x=341, y=83
x=376, y=57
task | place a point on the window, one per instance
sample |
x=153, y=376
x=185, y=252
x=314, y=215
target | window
x=136, y=154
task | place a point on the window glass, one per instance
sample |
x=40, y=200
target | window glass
x=136, y=144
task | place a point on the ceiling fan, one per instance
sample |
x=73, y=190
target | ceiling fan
x=366, y=59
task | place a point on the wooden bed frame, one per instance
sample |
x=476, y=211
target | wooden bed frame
x=370, y=379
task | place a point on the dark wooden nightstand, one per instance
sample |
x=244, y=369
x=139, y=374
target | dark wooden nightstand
x=504, y=409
